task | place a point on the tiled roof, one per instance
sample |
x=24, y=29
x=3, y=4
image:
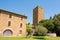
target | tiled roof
x=12, y=13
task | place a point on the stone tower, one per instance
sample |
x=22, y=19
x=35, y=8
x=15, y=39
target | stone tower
x=38, y=15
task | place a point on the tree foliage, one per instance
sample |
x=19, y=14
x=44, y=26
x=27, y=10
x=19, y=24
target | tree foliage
x=41, y=31
x=29, y=28
x=57, y=24
x=48, y=24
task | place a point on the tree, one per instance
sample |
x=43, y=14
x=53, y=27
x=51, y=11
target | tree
x=29, y=28
x=50, y=18
x=56, y=19
x=48, y=24
x=41, y=31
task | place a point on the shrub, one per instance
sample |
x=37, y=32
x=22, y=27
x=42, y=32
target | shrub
x=41, y=31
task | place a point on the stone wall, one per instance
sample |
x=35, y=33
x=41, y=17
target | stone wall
x=51, y=34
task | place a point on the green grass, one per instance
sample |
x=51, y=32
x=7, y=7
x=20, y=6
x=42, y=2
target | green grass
x=30, y=38
x=15, y=38
x=52, y=38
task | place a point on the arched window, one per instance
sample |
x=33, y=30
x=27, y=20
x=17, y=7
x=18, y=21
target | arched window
x=9, y=23
x=20, y=25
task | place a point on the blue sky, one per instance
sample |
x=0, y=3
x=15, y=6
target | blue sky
x=51, y=7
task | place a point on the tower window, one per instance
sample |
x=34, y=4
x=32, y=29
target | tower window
x=9, y=23
x=21, y=25
x=20, y=32
x=10, y=15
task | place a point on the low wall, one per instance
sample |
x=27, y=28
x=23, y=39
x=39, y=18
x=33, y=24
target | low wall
x=51, y=34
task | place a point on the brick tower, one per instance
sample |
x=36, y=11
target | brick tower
x=38, y=15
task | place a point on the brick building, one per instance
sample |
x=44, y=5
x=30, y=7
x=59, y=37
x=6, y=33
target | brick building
x=12, y=24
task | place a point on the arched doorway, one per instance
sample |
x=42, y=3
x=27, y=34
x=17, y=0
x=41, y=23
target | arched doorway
x=7, y=32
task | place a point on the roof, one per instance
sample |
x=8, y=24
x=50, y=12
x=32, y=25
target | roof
x=13, y=13
x=38, y=7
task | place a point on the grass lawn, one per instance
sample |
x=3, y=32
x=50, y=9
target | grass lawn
x=30, y=38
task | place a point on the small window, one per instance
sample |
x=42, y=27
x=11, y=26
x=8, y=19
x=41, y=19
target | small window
x=9, y=23
x=21, y=25
x=20, y=32
x=21, y=18
x=10, y=16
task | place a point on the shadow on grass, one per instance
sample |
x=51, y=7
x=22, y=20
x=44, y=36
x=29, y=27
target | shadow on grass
x=39, y=37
